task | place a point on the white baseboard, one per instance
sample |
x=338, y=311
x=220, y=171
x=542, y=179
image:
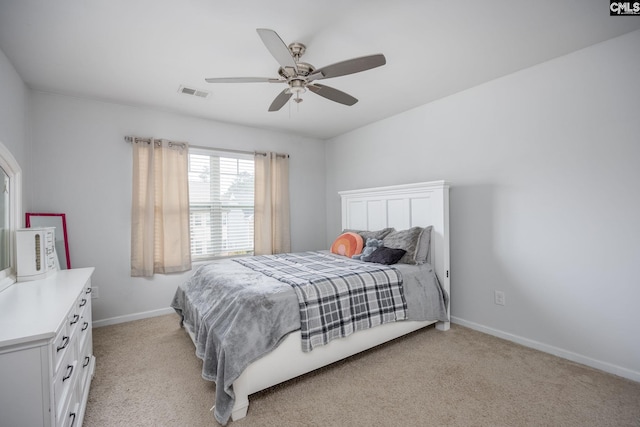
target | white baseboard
x=132, y=317
x=565, y=354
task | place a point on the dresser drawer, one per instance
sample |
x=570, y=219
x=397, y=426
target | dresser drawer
x=65, y=379
x=60, y=346
x=84, y=332
x=84, y=326
x=83, y=301
x=71, y=414
x=87, y=290
x=86, y=363
x=82, y=304
x=73, y=318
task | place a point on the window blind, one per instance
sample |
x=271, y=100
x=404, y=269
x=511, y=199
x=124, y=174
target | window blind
x=221, y=203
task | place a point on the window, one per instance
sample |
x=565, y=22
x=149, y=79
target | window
x=221, y=208
x=11, y=211
x=5, y=244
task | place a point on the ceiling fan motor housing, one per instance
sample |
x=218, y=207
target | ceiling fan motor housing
x=304, y=70
x=297, y=80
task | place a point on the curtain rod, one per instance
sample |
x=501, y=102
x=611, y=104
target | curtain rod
x=131, y=139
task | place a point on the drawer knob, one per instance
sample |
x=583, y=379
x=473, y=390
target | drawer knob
x=69, y=372
x=65, y=342
x=75, y=319
x=83, y=303
x=87, y=359
x=73, y=419
x=85, y=326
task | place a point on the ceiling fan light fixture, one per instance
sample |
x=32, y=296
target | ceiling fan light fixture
x=297, y=86
x=296, y=91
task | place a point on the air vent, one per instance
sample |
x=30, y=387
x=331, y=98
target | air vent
x=194, y=92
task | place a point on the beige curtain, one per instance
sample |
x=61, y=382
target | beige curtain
x=160, y=241
x=271, y=225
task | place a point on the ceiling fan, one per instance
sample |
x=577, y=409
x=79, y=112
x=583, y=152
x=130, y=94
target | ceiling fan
x=300, y=76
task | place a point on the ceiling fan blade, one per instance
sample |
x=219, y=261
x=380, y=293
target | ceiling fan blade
x=278, y=48
x=280, y=100
x=349, y=66
x=332, y=94
x=243, y=80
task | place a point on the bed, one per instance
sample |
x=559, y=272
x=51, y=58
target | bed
x=276, y=351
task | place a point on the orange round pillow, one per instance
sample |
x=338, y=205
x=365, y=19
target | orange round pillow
x=347, y=244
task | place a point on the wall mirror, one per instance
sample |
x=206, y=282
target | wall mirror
x=5, y=226
x=59, y=221
x=10, y=214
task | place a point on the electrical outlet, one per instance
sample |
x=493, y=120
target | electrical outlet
x=499, y=298
x=94, y=292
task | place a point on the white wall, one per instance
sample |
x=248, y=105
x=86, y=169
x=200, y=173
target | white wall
x=13, y=111
x=545, y=195
x=82, y=167
x=545, y=199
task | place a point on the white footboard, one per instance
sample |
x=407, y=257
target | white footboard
x=443, y=326
x=289, y=361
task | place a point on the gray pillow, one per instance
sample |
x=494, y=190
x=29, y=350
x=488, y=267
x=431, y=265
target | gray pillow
x=424, y=244
x=407, y=240
x=378, y=234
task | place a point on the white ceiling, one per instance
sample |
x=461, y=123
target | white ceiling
x=139, y=52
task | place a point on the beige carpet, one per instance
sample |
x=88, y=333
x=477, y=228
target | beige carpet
x=148, y=375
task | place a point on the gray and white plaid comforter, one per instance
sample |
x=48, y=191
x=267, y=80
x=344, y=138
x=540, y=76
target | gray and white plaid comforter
x=337, y=295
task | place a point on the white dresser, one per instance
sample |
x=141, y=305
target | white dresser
x=46, y=350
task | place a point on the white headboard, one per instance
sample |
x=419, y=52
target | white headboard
x=401, y=207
